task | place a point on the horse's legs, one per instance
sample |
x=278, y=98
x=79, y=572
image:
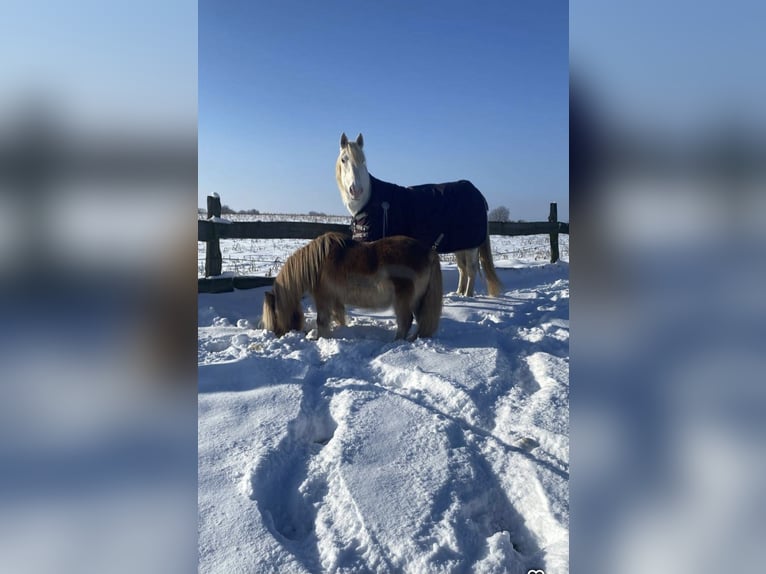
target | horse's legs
x=472, y=264
x=404, y=291
x=468, y=268
x=461, y=258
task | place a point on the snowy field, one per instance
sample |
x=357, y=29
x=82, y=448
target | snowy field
x=361, y=454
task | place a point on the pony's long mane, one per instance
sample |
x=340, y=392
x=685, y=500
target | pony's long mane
x=300, y=272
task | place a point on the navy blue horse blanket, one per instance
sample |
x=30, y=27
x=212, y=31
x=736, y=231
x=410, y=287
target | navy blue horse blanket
x=455, y=211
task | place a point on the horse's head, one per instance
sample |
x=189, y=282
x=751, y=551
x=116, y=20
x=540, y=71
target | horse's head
x=278, y=319
x=351, y=174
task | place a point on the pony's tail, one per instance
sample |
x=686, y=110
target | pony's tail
x=485, y=256
x=430, y=309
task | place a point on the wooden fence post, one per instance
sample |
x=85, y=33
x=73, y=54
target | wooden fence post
x=213, y=257
x=213, y=206
x=553, y=217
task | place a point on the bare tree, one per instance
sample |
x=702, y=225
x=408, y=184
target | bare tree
x=500, y=213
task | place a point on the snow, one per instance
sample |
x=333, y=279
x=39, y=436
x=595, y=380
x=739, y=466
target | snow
x=361, y=454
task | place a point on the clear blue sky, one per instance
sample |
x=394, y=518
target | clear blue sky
x=441, y=91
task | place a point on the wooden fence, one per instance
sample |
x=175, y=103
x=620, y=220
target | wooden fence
x=212, y=230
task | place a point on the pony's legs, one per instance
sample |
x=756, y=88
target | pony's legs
x=325, y=310
x=429, y=308
x=339, y=313
x=404, y=319
x=403, y=292
x=328, y=308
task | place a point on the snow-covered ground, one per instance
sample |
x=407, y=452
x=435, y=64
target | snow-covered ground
x=361, y=454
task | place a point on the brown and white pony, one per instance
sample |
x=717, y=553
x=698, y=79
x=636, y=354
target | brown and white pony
x=338, y=271
x=453, y=213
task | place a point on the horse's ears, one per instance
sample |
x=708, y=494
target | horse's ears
x=344, y=140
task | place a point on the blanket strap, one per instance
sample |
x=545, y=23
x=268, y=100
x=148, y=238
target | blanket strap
x=385, y=206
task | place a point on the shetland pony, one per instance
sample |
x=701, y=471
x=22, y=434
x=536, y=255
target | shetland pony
x=338, y=271
x=450, y=216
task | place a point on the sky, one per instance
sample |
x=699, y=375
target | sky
x=101, y=65
x=692, y=68
x=441, y=91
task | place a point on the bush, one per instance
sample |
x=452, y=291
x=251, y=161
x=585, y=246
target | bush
x=499, y=214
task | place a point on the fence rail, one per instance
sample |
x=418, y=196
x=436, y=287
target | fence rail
x=209, y=230
x=213, y=229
